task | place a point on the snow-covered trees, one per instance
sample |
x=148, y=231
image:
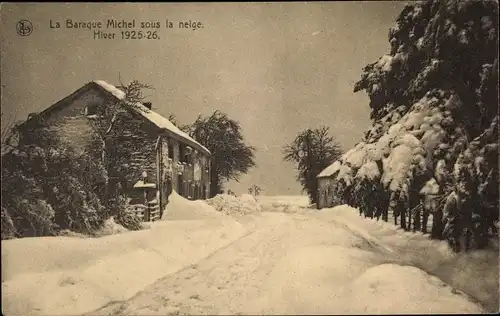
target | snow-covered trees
x=47, y=187
x=433, y=101
x=254, y=190
x=223, y=136
x=312, y=151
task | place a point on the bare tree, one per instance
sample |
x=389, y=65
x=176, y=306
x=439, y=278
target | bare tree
x=254, y=190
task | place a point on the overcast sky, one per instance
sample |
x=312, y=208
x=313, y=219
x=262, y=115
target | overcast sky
x=276, y=68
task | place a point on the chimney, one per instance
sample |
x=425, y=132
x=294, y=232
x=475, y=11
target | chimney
x=149, y=105
x=31, y=115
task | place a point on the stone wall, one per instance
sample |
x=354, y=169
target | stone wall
x=70, y=123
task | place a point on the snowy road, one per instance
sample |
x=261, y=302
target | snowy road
x=299, y=262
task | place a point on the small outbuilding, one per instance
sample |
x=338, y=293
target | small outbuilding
x=326, y=180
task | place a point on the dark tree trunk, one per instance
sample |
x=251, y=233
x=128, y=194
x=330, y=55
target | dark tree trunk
x=409, y=220
x=214, y=186
x=417, y=225
x=403, y=219
x=369, y=211
x=437, y=225
x=425, y=220
x=105, y=162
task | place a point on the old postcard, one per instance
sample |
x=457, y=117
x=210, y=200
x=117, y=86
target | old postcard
x=249, y=158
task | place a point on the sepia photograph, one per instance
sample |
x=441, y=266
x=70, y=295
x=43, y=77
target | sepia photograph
x=250, y=158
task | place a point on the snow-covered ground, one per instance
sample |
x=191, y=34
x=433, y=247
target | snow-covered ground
x=285, y=204
x=232, y=205
x=270, y=261
x=295, y=200
x=68, y=275
x=476, y=273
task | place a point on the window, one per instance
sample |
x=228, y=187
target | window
x=182, y=153
x=170, y=150
x=189, y=155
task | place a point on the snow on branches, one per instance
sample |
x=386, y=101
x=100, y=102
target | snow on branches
x=433, y=103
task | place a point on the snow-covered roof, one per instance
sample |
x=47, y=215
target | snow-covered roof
x=330, y=170
x=140, y=184
x=151, y=115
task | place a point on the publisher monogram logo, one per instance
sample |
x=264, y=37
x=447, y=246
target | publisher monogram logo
x=24, y=28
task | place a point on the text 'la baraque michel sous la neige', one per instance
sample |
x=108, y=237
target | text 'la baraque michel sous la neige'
x=124, y=24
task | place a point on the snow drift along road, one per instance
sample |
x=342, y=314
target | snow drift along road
x=475, y=273
x=179, y=209
x=307, y=262
x=232, y=205
x=68, y=276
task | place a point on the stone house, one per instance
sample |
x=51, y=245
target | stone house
x=157, y=152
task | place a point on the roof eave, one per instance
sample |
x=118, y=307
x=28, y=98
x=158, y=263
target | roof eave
x=162, y=129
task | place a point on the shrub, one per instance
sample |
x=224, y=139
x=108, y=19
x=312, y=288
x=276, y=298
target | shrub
x=48, y=187
x=8, y=227
x=126, y=217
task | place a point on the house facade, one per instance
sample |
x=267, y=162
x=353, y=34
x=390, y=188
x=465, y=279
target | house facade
x=325, y=192
x=154, y=150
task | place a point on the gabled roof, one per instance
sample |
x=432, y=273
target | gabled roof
x=330, y=170
x=155, y=118
x=159, y=121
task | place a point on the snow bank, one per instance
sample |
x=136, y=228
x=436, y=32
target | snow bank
x=395, y=289
x=285, y=204
x=110, y=227
x=179, y=208
x=69, y=276
x=474, y=273
x=355, y=272
x=298, y=200
x=232, y=205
